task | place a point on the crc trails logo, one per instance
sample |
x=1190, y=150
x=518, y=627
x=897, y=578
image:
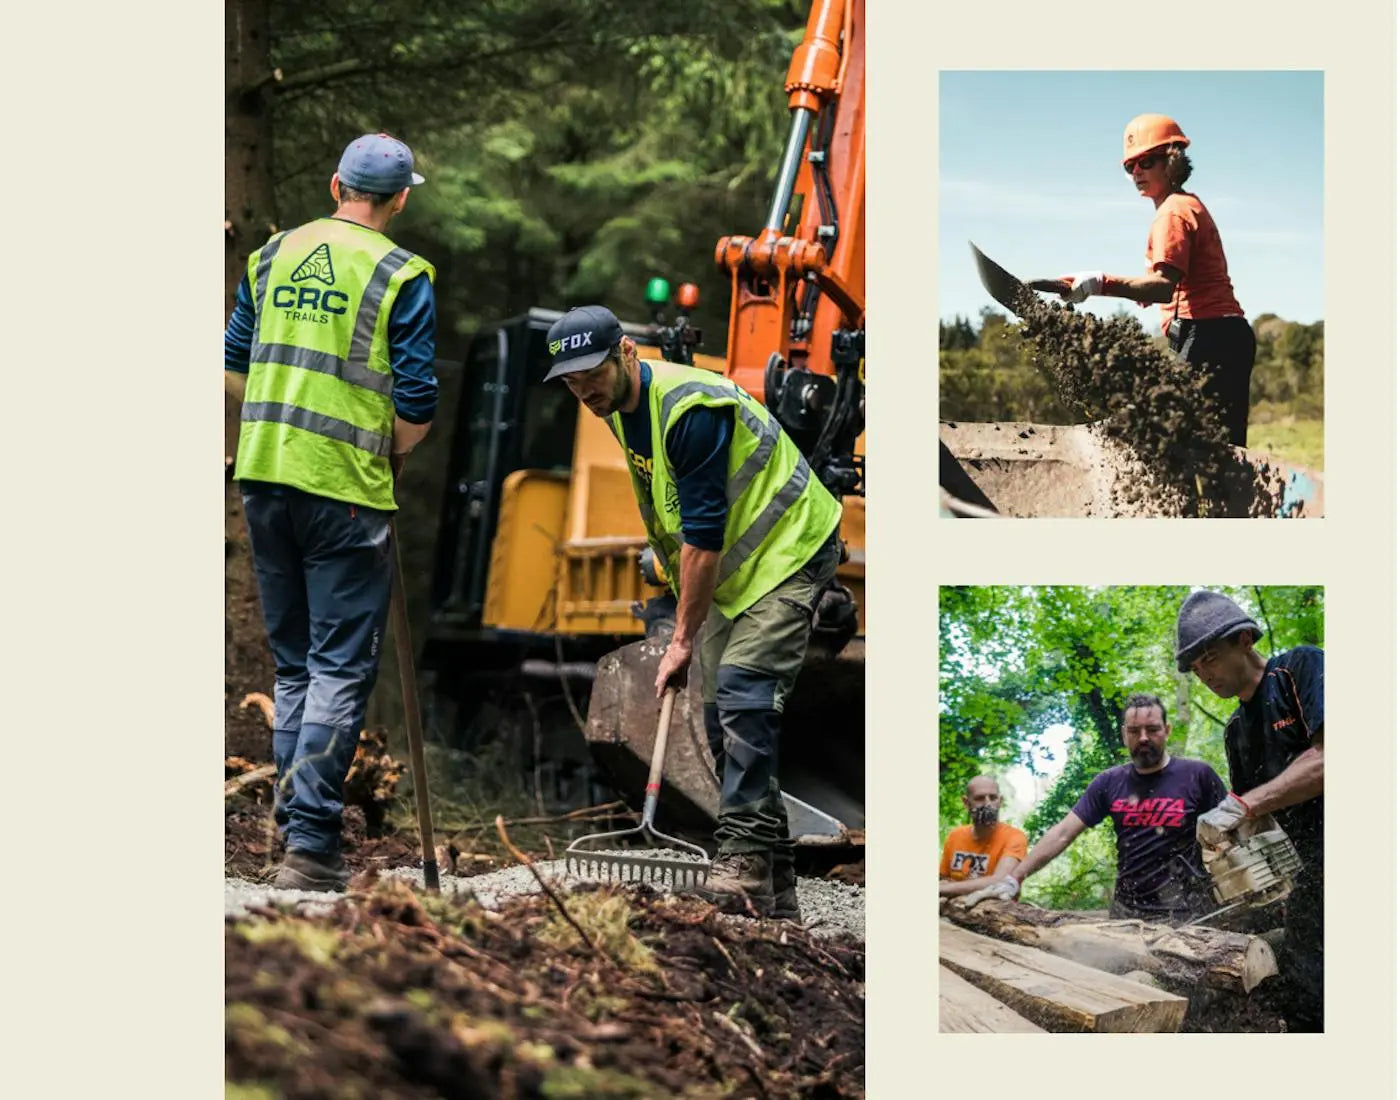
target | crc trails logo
x=309, y=303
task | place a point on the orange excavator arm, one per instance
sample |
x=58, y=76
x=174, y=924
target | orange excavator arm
x=797, y=309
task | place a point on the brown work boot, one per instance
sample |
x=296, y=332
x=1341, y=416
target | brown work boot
x=740, y=882
x=785, y=891
x=311, y=871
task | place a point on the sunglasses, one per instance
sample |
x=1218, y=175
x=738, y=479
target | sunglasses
x=1149, y=161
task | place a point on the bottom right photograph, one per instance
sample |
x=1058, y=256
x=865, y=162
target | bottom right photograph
x=1130, y=804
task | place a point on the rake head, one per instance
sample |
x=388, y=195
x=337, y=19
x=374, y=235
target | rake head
x=656, y=870
x=670, y=862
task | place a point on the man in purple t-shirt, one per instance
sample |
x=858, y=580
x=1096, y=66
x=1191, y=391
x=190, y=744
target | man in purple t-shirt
x=1154, y=803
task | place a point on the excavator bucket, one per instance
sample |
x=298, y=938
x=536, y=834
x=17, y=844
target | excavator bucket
x=1024, y=469
x=821, y=754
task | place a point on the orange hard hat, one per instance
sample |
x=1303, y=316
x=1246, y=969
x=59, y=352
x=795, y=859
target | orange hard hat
x=1148, y=132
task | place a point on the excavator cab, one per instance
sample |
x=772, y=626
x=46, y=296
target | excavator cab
x=538, y=582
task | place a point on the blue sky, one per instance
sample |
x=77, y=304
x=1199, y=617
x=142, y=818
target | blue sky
x=1030, y=170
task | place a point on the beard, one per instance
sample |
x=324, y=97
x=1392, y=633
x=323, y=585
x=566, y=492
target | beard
x=984, y=815
x=1148, y=756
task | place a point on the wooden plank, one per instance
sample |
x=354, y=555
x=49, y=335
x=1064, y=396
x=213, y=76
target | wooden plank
x=1056, y=993
x=964, y=1007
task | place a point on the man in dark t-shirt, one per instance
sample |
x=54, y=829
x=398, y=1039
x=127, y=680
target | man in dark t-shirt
x=1273, y=742
x=1154, y=802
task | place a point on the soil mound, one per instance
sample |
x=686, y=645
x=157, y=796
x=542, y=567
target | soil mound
x=393, y=993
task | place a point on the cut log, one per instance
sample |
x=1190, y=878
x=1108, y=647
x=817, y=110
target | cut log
x=1056, y=993
x=1182, y=959
x=964, y=1007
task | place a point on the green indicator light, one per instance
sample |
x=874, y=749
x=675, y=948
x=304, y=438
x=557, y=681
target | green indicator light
x=658, y=291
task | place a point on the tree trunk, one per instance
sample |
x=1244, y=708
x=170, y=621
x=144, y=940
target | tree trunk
x=249, y=212
x=248, y=88
x=1184, y=960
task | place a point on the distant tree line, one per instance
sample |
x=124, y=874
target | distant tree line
x=985, y=372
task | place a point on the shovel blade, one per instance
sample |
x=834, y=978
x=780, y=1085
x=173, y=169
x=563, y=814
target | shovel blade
x=999, y=283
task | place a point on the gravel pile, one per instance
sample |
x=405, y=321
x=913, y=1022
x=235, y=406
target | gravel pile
x=828, y=907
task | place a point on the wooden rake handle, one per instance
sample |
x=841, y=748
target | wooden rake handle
x=658, y=755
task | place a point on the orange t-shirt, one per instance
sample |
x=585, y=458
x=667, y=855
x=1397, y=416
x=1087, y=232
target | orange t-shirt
x=964, y=856
x=1183, y=234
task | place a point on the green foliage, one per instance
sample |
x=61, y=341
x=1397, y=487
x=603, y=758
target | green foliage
x=573, y=148
x=985, y=373
x=1015, y=660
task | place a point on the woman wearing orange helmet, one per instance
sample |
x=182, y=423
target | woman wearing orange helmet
x=1186, y=270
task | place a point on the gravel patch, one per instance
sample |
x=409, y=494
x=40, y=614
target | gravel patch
x=828, y=907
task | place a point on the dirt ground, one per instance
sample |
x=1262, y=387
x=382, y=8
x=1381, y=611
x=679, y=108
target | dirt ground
x=401, y=994
x=395, y=994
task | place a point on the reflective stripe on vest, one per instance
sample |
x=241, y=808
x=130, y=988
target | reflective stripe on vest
x=814, y=519
x=355, y=368
x=328, y=426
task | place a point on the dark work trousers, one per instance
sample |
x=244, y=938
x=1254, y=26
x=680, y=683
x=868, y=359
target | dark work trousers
x=1300, y=958
x=324, y=569
x=1225, y=347
x=749, y=665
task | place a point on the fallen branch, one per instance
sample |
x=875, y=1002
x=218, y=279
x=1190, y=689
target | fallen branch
x=725, y=1021
x=264, y=774
x=262, y=702
x=521, y=857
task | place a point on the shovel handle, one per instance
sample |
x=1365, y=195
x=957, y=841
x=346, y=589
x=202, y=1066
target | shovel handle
x=658, y=754
x=403, y=646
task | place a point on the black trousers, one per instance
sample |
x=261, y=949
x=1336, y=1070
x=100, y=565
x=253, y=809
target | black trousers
x=1225, y=346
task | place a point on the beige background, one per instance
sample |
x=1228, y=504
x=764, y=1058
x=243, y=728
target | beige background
x=1352, y=551
x=113, y=582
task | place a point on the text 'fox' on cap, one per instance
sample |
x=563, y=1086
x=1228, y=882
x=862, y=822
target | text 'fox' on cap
x=581, y=339
x=378, y=165
x=1206, y=617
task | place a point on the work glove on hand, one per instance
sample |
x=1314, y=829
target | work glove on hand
x=1213, y=825
x=1003, y=889
x=1082, y=284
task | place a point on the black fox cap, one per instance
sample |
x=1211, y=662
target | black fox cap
x=581, y=339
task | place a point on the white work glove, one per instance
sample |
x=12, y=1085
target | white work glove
x=1003, y=889
x=1213, y=825
x=1082, y=284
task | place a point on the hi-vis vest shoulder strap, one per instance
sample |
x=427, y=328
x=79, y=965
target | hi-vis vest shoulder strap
x=318, y=411
x=779, y=513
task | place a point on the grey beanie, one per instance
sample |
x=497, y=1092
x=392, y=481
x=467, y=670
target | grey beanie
x=1205, y=617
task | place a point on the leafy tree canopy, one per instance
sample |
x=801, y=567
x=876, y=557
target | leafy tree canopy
x=1015, y=660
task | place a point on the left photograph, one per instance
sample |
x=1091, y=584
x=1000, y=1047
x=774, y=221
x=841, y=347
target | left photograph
x=544, y=374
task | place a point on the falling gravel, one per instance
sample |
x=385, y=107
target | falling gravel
x=1155, y=406
x=828, y=907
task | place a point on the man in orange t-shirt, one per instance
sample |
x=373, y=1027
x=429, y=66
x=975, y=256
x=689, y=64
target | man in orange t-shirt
x=975, y=854
x=1186, y=271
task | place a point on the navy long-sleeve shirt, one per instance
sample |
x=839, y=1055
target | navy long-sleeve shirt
x=698, y=448
x=412, y=345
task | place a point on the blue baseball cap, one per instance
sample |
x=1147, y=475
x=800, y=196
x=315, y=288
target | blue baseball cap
x=581, y=339
x=378, y=164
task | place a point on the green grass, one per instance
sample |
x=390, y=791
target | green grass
x=1289, y=439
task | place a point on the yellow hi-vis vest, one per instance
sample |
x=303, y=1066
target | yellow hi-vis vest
x=779, y=513
x=318, y=411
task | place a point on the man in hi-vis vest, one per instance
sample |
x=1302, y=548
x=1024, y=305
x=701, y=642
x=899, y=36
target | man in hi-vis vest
x=330, y=347
x=748, y=538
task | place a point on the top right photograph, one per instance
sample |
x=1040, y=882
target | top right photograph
x=1131, y=294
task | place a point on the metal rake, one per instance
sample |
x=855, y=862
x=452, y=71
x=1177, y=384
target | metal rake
x=584, y=859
